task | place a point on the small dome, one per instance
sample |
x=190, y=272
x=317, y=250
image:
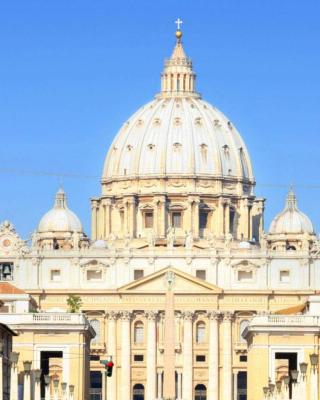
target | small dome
x=60, y=218
x=291, y=219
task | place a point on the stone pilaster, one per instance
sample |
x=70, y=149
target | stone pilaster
x=151, y=355
x=94, y=218
x=213, y=372
x=13, y=377
x=125, y=383
x=227, y=355
x=107, y=222
x=226, y=223
x=187, y=381
x=196, y=217
x=112, y=351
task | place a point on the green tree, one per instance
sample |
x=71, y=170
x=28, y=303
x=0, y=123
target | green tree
x=74, y=302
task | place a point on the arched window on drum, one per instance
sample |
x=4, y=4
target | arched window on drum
x=243, y=324
x=96, y=327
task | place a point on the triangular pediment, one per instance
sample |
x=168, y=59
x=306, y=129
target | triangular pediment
x=182, y=283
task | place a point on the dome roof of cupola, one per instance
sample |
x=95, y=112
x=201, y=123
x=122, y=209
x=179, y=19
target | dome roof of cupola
x=291, y=219
x=178, y=134
x=60, y=218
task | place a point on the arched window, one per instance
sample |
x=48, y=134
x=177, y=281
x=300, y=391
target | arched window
x=96, y=327
x=232, y=215
x=138, y=332
x=138, y=392
x=243, y=324
x=200, y=332
x=200, y=392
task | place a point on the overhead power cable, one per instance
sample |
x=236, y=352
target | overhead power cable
x=72, y=175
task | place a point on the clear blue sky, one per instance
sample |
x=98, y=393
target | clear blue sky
x=72, y=72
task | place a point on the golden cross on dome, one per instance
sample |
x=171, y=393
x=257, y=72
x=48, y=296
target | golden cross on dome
x=178, y=22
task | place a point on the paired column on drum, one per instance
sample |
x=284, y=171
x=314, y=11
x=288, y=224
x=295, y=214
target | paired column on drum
x=112, y=351
x=213, y=372
x=187, y=382
x=125, y=356
x=151, y=355
x=227, y=355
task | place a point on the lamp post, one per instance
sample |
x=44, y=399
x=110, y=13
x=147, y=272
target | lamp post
x=71, y=392
x=55, y=389
x=26, y=383
x=64, y=386
x=37, y=390
x=1, y=370
x=265, y=390
x=13, y=358
x=47, y=381
x=278, y=390
x=271, y=390
x=314, y=361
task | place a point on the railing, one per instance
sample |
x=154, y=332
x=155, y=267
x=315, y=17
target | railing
x=286, y=320
x=43, y=318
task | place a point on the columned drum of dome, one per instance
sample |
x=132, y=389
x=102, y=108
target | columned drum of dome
x=177, y=158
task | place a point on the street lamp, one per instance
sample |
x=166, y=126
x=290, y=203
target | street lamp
x=37, y=375
x=47, y=379
x=314, y=359
x=71, y=389
x=303, y=368
x=278, y=385
x=294, y=375
x=27, y=367
x=14, y=357
x=286, y=380
x=64, y=386
x=265, y=390
x=56, y=383
x=271, y=388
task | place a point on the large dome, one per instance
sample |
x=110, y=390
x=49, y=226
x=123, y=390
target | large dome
x=178, y=134
x=291, y=219
x=60, y=218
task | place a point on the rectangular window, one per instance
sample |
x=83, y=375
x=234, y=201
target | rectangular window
x=55, y=275
x=176, y=219
x=201, y=274
x=138, y=274
x=243, y=358
x=148, y=220
x=203, y=220
x=284, y=276
x=93, y=357
x=94, y=275
x=200, y=358
x=245, y=276
x=138, y=357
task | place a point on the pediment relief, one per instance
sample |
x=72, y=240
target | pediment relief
x=94, y=264
x=181, y=283
x=245, y=264
x=147, y=206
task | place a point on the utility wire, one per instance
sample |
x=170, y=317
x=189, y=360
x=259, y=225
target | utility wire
x=12, y=171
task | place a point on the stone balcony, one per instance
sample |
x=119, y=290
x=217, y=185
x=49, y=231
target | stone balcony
x=284, y=324
x=56, y=321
